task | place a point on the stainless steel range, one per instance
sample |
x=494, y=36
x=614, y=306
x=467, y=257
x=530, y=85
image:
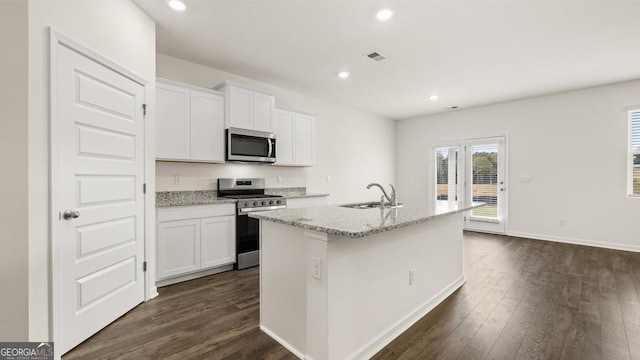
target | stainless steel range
x=251, y=198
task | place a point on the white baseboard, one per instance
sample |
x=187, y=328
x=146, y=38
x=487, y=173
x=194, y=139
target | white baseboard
x=194, y=275
x=398, y=328
x=568, y=240
x=153, y=292
x=286, y=345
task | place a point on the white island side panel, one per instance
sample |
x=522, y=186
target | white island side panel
x=283, y=285
x=370, y=299
x=363, y=300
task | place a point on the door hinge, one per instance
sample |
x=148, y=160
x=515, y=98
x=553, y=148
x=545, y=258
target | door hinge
x=144, y=109
x=144, y=266
x=144, y=188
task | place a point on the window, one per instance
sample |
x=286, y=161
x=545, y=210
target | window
x=446, y=160
x=634, y=153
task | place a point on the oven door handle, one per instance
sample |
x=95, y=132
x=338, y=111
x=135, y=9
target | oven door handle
x=247, y=211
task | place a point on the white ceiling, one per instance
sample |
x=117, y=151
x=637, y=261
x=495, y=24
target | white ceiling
x=469, y=53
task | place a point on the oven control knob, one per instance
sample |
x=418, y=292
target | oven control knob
x=264, y=203
x=278, y=202
x=271, y=202
x=255, y=203
x=246, y=204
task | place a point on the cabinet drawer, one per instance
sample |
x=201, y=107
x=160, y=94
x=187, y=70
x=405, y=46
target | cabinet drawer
x=195, y=212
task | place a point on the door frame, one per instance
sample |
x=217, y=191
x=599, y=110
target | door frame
x=150, y=291
x=467, y=181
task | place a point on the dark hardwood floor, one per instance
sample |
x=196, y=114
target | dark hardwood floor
x=523, y=299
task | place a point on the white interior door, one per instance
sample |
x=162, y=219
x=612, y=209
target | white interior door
x=485, y=171
x=99, y=251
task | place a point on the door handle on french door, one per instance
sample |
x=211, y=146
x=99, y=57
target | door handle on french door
x=70, y=214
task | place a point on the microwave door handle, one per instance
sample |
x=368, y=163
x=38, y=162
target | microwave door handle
x=270, y=147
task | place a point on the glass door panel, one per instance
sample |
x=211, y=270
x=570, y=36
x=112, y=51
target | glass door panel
x=486, y=183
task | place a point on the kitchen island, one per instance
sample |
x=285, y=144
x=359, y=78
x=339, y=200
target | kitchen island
x=341, y=283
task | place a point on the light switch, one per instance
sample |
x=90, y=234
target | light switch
x=177, y=180
x=317, y=268
x=525, y=179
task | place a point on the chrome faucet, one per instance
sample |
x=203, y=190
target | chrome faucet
x=393, y=200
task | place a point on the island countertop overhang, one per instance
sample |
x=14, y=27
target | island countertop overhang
x=357, y=223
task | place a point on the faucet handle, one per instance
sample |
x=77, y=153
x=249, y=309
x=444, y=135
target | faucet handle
x=394, y=197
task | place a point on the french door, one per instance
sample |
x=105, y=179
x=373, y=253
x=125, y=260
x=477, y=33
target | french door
x=485, y=169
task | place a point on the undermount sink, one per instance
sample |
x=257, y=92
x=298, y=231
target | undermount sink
x=370, y=205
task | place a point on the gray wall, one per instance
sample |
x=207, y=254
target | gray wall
x=14, y=262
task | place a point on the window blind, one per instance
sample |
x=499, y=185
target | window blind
x=446, y=184
x=634, y=153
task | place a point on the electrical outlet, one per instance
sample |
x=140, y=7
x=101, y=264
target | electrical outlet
x=412, y=277
x=317, y=268
x=563, y=222
x=328, y=178
x=177, y=180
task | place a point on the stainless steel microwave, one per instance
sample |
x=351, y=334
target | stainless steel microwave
x=251, y=146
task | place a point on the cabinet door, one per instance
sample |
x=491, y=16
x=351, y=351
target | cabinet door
x=284, y=131
x=178, y=247
x=240, y=104
x=304, y=136
x=172, y=122
x=218, y=241
x=207, y=126
x=263, y=106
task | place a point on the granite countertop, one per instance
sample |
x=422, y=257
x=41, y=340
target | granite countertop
x=304, y=196
x=186, y=198
x=210, y=197
x=355, y=223
x=292, y=193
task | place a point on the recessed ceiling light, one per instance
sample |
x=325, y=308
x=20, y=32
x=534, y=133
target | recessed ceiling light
x=384, y=14
x=343, y=74
x=177, y=5
x=433, y=97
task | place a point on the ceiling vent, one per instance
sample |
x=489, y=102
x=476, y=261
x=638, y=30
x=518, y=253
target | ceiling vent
x=376, y=56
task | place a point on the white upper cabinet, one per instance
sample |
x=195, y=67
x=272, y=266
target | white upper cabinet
x=172, y=122
x=240, y=107
x=263, y=106
x=284, y=121
x=246, y=108
x=295, y=142
x=189, y=123
x=207, y=126
x=304, y=137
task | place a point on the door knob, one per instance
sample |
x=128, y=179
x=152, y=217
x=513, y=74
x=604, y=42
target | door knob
x=70, y=214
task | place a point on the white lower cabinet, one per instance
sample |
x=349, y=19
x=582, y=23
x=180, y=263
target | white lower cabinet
x=192, y=239
x=217, y=241
x=179, y=247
